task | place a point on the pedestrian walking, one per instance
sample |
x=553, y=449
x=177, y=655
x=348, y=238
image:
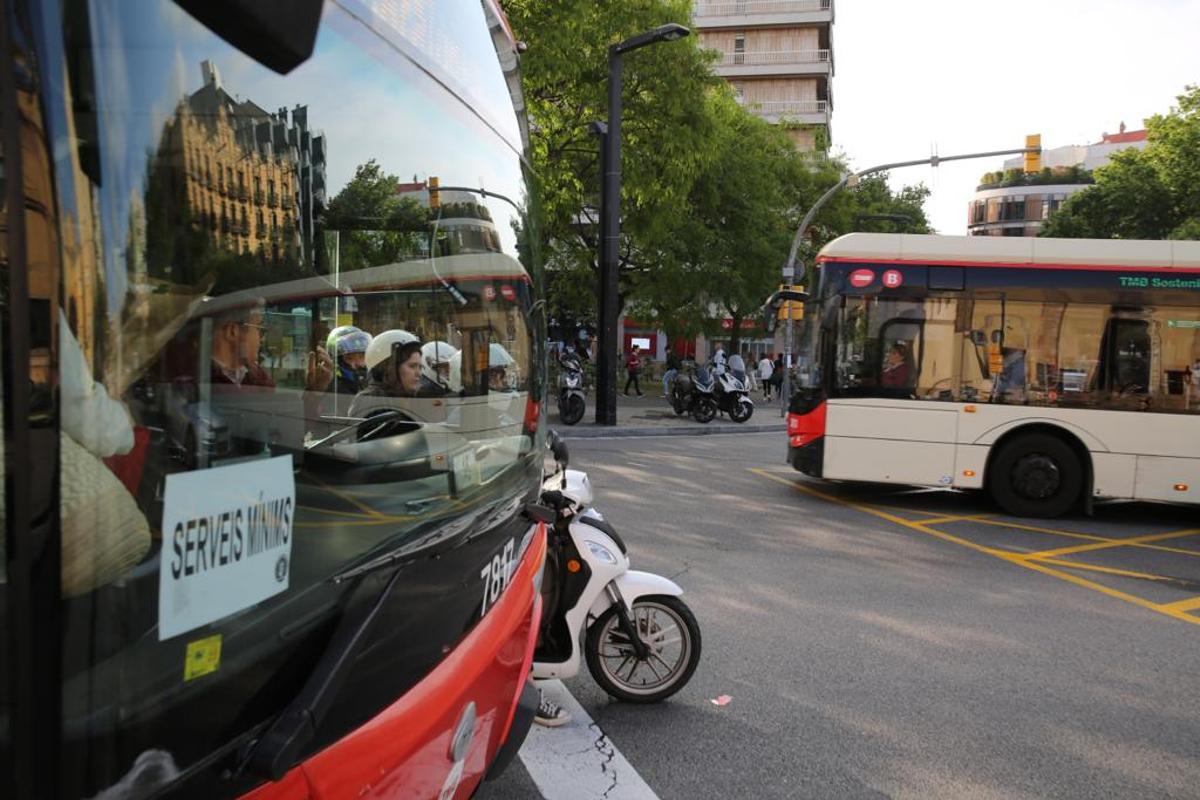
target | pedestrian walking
x=765, y=369
x=777, y=376
x=633, y=368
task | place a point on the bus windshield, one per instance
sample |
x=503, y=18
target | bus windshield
x=297, y=331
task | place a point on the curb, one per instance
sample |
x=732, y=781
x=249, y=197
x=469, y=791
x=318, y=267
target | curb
x=695, y=429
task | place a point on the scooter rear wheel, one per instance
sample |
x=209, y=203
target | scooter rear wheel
x=572, y=411
x=671, y=633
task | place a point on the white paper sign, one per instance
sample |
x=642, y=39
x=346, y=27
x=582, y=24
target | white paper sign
x=227, y=541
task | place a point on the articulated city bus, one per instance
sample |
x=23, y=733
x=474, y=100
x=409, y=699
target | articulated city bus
x=233, y=564
x=1047, y=371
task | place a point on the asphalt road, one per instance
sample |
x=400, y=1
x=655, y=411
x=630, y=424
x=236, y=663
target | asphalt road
x=881, y=642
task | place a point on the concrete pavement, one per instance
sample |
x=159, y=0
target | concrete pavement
x=890, y=642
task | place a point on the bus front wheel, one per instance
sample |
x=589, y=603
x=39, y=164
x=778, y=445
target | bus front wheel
x=1036, y=475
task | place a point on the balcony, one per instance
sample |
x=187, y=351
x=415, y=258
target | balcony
x=806, y=112
x=785, y=63
x=761, y=13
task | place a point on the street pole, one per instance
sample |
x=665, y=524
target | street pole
x=610, y=222
x=789, y=267
x=610, y=239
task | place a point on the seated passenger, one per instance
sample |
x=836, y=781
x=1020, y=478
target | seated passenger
x=896, y=372
x=394, y=361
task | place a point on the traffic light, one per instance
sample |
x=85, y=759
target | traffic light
x=435, y=199
x=793, y=307
x=1033, y=161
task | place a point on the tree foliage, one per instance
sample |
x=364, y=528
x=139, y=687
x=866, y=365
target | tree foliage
x=1152, y=193
x=711, y=194
x=374, y=224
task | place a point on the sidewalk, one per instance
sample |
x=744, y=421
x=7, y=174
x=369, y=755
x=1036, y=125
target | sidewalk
x=653, y=416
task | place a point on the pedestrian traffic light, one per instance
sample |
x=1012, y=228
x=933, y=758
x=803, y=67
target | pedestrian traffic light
x=1033, y=161
x=435, y=199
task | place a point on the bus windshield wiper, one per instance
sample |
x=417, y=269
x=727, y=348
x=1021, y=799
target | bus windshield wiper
x=283, y=742
x=281, y=746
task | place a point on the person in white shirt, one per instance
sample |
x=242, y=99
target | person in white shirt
x=765, y=368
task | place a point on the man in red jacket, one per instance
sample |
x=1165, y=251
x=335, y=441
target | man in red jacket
x=633, y=367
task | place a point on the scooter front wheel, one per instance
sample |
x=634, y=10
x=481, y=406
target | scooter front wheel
x=741, y=412
x=572, y=410
x=672, y=637
x=705, y=410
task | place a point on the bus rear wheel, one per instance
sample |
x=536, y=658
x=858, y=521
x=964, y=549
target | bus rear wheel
x=1036, y=475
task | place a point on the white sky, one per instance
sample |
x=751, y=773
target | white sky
x=967, y=76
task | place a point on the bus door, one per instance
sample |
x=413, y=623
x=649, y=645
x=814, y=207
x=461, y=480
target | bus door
x=876, y=427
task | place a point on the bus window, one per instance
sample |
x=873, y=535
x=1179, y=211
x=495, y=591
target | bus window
x=896, y=348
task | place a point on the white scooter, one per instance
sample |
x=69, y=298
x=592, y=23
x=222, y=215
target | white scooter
x=640, y=640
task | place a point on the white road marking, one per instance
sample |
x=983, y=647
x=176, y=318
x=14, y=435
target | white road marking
x=578, y=761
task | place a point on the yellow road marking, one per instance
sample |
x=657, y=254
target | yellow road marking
x=955, y=518
x=1019, y=559
x=1184, y=605
x=366, y=509
x=1124, y=573
x=1087, y=537
x=1110, y=543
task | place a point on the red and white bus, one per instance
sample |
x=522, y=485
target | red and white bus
x=1047, y=371
x=221, y=574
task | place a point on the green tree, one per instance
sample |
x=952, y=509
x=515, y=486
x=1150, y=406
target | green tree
x=373, y=224
x=1152, y=193
x=665, y=136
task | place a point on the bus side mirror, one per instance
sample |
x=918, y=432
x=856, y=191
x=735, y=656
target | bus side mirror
x=279, y=34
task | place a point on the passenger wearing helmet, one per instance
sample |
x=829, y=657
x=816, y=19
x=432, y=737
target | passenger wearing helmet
x=435, y=362
x=394, y=361
x=499, y=365
x=347, y=345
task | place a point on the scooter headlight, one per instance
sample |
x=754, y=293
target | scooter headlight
x=602, y=553
x=572, y=381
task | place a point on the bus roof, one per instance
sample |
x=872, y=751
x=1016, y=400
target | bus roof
x=1011, y=251
x=388, y=277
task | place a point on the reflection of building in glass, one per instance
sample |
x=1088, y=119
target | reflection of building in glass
x=251, y=181
x=1013, y=203
x=464, y=223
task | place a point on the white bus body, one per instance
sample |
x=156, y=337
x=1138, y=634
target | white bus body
x=961, y=361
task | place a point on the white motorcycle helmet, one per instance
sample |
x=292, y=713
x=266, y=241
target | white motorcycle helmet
x=500, y=365
x=437, y=354
x=381, y=346
x=498, y=359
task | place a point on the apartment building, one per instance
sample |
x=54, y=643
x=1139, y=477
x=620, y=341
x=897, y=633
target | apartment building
x=778, y=56
x=1010, y=202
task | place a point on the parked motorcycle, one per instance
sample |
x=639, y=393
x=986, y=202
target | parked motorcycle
x=640, y=640
x=572, y=399
x=693, y=394
x=733, y=390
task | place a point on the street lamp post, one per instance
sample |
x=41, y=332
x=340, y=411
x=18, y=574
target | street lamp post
x=789, y=267
x=610, y=221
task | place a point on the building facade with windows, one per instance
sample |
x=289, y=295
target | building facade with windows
x=1014, y=203
x=778, y=56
